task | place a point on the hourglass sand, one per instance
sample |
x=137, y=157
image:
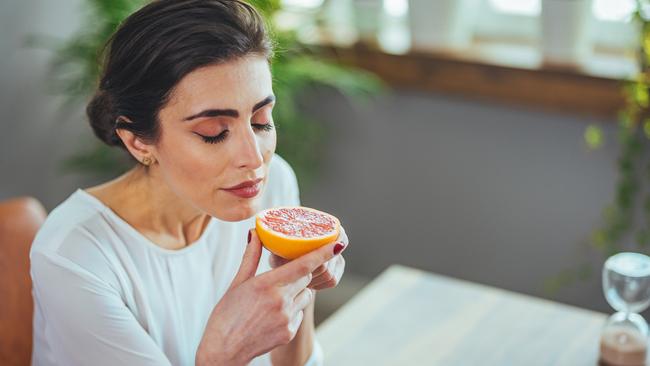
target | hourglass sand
x=626, y=283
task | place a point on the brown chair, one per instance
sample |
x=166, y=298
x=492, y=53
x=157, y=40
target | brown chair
x=20, y=219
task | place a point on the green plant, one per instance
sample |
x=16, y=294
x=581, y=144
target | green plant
x=626, y=221
x=75, y=70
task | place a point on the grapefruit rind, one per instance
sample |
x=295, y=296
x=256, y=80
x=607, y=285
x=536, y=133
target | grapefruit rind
x=292, y=247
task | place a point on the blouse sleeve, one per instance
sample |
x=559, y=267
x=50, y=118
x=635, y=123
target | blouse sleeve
x=87, y=320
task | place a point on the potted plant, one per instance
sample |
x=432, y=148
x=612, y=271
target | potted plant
x=626, y=221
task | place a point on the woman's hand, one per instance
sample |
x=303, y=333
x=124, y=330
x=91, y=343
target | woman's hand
x=259, y=313
x=328, y=274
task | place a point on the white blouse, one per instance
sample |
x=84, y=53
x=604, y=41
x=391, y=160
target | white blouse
x=106, y=295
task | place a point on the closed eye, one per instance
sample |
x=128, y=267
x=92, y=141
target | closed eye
x=222, y=136
x=214, y=139
x=262, y=126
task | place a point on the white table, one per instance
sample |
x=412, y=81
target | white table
x=411, y=317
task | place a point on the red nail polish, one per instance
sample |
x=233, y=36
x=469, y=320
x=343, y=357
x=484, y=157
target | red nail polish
x=338, y=248
x=249, y=236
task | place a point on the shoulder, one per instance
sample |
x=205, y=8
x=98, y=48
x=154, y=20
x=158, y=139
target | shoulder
x=74, y=238
x=76, y=217
x=282, y=185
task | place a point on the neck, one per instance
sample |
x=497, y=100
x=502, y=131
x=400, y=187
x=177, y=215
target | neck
x=147, y=203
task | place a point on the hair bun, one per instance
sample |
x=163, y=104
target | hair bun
x=102, y=115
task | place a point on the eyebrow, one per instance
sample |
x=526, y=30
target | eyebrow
x=229, y=112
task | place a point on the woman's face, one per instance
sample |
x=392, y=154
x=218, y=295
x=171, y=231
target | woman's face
x=217, y=138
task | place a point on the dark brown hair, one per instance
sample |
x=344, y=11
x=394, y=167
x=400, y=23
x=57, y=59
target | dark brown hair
x=155, y=47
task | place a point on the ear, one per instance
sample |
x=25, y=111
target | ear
x=134, y=144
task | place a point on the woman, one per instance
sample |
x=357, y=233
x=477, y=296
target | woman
x=159, y=266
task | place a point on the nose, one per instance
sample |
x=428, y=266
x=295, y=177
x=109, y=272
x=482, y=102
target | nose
x=248, y=154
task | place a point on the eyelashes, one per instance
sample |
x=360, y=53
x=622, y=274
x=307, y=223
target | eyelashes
x=262, y=126
x=222, y=136
x=214, y=139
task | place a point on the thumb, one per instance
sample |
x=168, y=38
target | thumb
x=250, y=261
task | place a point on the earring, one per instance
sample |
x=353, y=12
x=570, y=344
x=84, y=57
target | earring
x=146, y=161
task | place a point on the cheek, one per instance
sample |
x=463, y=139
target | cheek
x=182, y=155
x=188, y=165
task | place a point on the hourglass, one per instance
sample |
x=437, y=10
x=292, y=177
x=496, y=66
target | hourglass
x=626, y=283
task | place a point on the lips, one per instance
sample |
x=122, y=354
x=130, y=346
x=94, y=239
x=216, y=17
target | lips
x=247, y=189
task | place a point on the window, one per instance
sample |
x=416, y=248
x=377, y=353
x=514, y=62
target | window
x=608, y=10
x=396, y=8
x=302, y=3
x=610, y=27
x=613, y=10
x=508, y=20
x=521, y=7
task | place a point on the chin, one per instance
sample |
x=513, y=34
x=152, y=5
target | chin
x=238, y=212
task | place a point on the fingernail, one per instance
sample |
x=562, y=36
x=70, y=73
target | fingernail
x=249, y=236
x=338, y=248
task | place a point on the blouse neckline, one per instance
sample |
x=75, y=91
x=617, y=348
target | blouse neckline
x=114, y=216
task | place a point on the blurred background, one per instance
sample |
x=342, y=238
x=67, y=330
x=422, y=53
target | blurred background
x=498, y=141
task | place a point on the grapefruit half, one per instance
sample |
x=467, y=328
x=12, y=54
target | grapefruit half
x=290, y=232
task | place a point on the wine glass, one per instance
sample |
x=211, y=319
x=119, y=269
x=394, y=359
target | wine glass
x=626, y=284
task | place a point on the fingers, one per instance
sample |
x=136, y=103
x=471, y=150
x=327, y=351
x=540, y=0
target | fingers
x=331, y=276
x=333, y=279
x=302, y=266
x=320, y=270
x=324, y=286
x=324, y=273
x=276, y=261
x=250, y=260
x=343, y=237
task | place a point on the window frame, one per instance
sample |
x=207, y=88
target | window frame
x=605, y=34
